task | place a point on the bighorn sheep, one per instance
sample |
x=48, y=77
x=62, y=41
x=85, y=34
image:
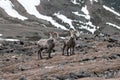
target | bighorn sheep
x=48, y=44
x=70, y=43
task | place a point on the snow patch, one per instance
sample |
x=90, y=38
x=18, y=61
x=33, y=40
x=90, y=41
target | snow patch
x=114, y=25
x=93, y=1
x=1, y=39
x=86, y=12
x=8, y=7
x=92, y=28
x=63, y=37
x=30, y=6
x=64, y=19
x=49, y=67
x=1, y=34
x=82, y=15
x=111, y=10
x=74, y=1
x=88, y=25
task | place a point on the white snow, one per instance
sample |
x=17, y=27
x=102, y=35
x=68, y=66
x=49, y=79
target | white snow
x=88, y=24
x=30, y=6
x=93, y=1
x=111, y=10
x=114, y=25
x=49, y=67
x=1, y=34
x=84, y=9
x=88, y=28
x=63, y=37
x=87, y=16
x=64, y=19
x=11, y=39
x=92, y=29
x=8, y=7
x=74, y=2
x=77, y=13
x=83, y=15
x=1, y=39
x=86, y=12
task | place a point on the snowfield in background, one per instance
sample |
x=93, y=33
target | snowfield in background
x=64, y=19
x=111, y=10
x=30, y=7
x=8, y=7
x=114, y=25
x=1, y=39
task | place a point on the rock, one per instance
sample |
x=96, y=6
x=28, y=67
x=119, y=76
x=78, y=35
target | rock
x=87, y=36
x=86, y=59
x=108, y=74
x=23, y=78
x=65, y=77
x=109, y=46
x=21, y=43
x=79, y=75
x=114, y=38
x=7, y=59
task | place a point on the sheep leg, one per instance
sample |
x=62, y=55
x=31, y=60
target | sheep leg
x=70, y=51
x=39, y=54
x=49, y=53
x=63, y=50
x=49, y=56
x=67, y=51
x=73, y=51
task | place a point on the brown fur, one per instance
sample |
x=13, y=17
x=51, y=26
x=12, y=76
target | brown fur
x=48, y=44
x=69, y=43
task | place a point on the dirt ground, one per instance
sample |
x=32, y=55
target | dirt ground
x=15, y=66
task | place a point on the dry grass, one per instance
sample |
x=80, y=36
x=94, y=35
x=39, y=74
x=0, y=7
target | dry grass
x=34, y=69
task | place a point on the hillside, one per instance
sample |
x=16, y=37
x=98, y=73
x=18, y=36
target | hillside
x=97, y=59
x=88, y=16
x=24, y=22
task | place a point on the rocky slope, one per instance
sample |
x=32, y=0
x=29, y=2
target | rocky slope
x=89, y=16
x=23, y=22
x=96, y=58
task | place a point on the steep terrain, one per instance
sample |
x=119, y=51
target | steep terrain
x=95, y=59
x=89, y=16
x=24, y=22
